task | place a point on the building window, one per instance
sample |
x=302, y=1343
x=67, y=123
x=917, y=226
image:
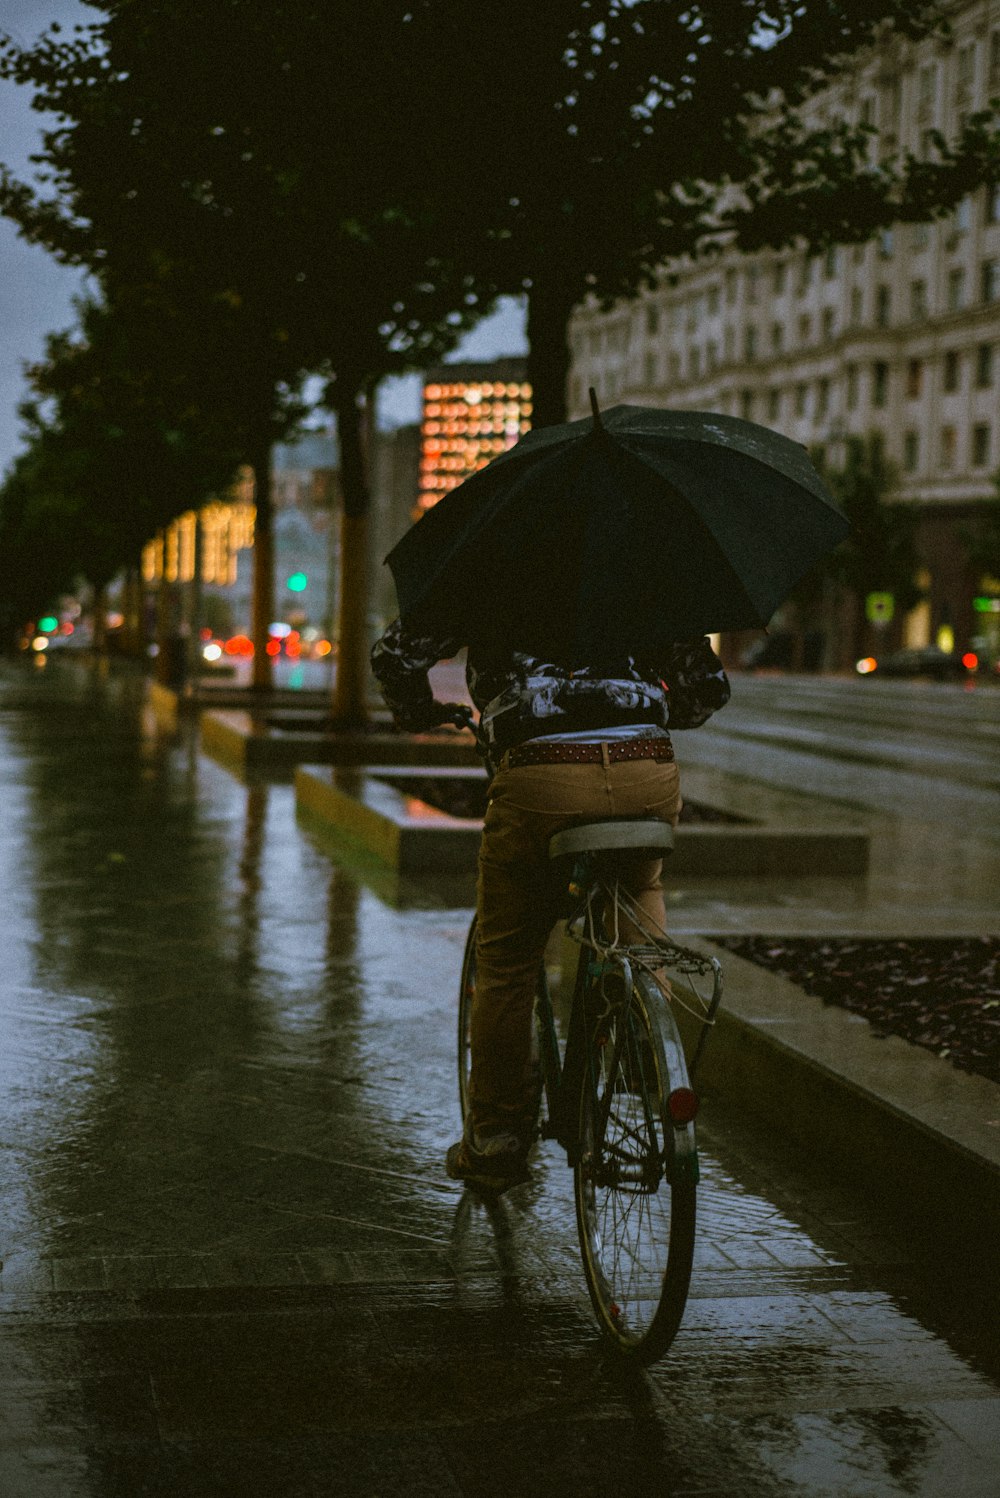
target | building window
x=918, y=300
x=777, y=337
x=858, y=254
x=779, y=278
x=750, y=344
x=730, y=287
x=886, y=244
x=946, y=451
x=712, y=355
x=980, y=445
x=774, y=405
x=914, y=379
x=921, y=236
x=852, y=386
x=801, y=400
x=752, y=278
x=911, y=451
x=805, y=274
x=652, y=320
x=989, y=281
x=713, y=299
x=883, y=306
x=652, y=370
x=805, y=328
x=829, y=323
x=966, y=70
x=994, y=213
x=961, y=219
x=857, y=305
x=729, y=342
x=984, y=366
x=823, y=398
x=952, y=371
x=746, y=405
x=956, y=289
x=694, y=363
x=830, y=262
x=880, y=383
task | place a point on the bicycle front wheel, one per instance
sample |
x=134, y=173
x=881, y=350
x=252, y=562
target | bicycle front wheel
x=636, y=1171
x=466, y=1000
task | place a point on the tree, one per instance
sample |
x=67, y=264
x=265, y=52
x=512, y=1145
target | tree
x=215, y=181
x=880, y=554
x=639, y=132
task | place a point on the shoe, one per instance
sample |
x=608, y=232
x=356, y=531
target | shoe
x=492, y=1163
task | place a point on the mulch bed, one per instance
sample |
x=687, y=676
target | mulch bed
x=942, y=993
x=465, y=796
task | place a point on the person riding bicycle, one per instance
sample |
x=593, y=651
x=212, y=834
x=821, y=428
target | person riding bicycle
x=563, y=746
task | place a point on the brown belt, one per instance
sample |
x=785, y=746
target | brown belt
x=610, y=752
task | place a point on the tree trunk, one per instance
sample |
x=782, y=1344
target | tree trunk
x=132, y=609
x=164, y=625
x=195, y=661
x=263, y=569
x=100, y=607
x=350, y=696
x=549, y=311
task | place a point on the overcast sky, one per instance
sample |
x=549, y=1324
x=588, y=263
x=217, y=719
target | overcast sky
x=36, y=293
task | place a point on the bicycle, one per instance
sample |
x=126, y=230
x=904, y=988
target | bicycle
x=618, y=1097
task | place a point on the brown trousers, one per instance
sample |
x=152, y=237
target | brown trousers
x=518, y=898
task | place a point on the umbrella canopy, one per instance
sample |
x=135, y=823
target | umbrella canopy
x=618, y=534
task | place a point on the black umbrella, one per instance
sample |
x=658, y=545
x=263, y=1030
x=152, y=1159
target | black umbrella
x=618, y=534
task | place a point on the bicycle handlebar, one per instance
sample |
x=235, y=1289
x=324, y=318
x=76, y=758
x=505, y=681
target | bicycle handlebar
x=459, y=714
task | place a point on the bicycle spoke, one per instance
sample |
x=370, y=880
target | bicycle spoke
x=636, y=1230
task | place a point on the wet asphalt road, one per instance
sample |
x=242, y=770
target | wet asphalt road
x=232, y=1264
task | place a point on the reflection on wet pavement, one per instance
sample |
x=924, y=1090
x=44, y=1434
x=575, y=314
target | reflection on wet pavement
x=232, y=1263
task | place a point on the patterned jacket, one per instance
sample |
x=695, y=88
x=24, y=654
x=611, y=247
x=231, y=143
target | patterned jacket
x=522, y=697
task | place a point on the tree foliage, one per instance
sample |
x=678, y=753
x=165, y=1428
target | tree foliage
x=880, y=554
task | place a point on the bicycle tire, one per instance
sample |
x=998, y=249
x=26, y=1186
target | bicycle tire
x=466, y=994
x=635, y=1173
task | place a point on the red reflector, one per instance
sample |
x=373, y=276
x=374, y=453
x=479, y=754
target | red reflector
x=683, y=1105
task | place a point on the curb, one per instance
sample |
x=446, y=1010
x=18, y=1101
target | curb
x=913, y=1126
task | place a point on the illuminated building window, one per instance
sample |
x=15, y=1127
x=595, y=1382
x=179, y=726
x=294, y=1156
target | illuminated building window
x=466, y=423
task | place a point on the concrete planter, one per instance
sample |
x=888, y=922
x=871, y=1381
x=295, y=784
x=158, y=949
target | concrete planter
x=414, y=837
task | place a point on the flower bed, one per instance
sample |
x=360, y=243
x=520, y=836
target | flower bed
x=942, y=993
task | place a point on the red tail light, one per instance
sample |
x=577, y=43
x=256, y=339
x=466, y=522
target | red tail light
x=683, y=1105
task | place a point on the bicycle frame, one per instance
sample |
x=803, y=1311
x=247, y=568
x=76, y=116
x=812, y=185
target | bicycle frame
x=562, y=1075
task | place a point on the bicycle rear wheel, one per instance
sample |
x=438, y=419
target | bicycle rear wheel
x=636, y=1171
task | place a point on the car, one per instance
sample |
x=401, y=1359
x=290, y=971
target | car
x=928, y=660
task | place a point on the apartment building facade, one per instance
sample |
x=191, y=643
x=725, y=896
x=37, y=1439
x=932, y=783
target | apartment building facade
x=900, y=336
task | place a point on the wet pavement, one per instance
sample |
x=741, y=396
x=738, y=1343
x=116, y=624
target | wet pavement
x=232, y=1264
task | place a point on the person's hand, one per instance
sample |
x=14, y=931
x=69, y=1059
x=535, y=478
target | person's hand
x=459, y=714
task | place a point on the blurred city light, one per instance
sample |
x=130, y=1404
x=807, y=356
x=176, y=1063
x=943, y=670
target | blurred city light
x=298, y=582
x=212, y=652
x=866, y=666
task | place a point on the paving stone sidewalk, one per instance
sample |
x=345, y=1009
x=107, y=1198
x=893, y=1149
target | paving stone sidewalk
x=231, y=1262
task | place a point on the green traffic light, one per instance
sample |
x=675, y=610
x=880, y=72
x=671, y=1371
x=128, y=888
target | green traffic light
x=298, y=582
x=48, y=624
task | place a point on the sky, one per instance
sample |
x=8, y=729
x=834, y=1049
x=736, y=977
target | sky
x=36, y=294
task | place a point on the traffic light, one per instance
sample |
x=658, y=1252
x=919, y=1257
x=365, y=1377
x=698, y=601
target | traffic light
x=297, y=583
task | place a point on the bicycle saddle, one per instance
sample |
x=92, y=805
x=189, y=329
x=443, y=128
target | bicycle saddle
x=647, y=835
